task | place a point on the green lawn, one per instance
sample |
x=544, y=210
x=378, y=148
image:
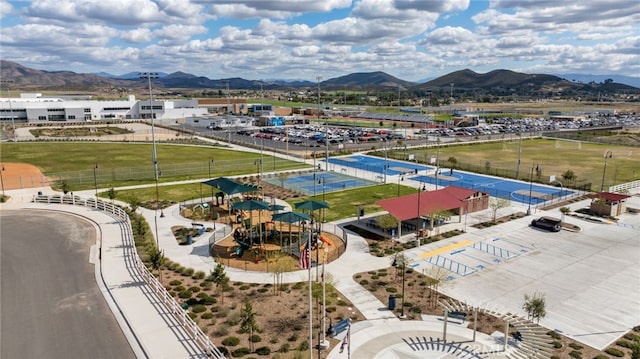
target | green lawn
x=553, y=157
x=124, y=164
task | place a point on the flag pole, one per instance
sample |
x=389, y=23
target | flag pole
x=310, y=302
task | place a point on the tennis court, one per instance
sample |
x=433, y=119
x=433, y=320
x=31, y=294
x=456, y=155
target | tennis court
x=497, y=187
x=377, y=164
x=316, y=183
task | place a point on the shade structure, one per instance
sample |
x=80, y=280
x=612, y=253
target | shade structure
x=311, y=205
x=250, y=205
x=276, y=207
x=230, y=187
x=290, y=217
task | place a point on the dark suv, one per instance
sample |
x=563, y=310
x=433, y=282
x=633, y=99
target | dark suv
x=547, y=223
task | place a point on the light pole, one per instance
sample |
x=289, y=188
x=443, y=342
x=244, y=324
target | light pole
x=418, y=219
x=608, y=154
x=324, y=344
x=95, y=178
x=2, y=179
x=531, y=187
x=13, y=124
x=396, y=264
x=154, y=156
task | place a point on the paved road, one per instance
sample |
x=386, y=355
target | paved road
x=51, y=305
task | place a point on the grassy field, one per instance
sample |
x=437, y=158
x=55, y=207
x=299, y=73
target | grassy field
x=130, y=164
x=553, y=157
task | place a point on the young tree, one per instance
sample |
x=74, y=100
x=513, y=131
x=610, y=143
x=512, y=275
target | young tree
x=282, y=176
x=111, y=193
x=386, y=222
x=157, y=260
x=219, y=277
x=248, y=321
x=564, y=211
x=452, y=161
x=496, y=203
x=437, y=277
x=134, y=202
x=569, y=176
x=535, y=306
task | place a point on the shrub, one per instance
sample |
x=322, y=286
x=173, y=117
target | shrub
x=207, y=315
x=198, y=308
x=625, y=344
x=221, y=330
x=554, y=335
x=284, y=348
x=179, y=288
x=632, y=337
x=255, y=338
x=175, y=282
x=263, y=290
x=244, y=287
x=233, y=319
x=192, y=315
x=194, y=289
x=615, y=352
x=364, y=282
x=298, y=286
x=392, y=290
x=304, y=346
x=575, y=354
x=198, y=275
x=187, y=272
x=576, y=346
x=600, y=356
x=263, y=351
x=185, y=294
x=230, y=341
x=240, y=352
x=293, y=337
x=556, y=344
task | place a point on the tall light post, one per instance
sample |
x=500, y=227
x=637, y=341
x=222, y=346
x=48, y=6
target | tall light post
x=154, y=156
x=402, y=265
x=421, y=188
x=13, y=124
x=210, y=162
x=2, y=179
x=531, y=187
x=95, y=178
x=608, y=154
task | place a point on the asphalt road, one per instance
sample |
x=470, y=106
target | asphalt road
x=50, y=305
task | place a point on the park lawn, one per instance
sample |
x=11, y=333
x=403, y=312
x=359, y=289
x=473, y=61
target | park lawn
x=171, y=193
x=553, y=157
x=344, y=204
x=75, y=162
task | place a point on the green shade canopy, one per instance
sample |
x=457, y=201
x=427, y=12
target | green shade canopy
x=290, y=217
x=229, y=186
x=250, y=205
x=311, y=205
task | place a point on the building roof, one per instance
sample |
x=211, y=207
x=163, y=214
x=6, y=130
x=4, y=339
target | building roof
x=445, y=199
x=610, y=197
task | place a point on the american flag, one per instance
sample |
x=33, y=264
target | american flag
x=304, y=257
x=345, y=341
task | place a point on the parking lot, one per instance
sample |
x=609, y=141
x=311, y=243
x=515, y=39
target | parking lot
x=590, y=279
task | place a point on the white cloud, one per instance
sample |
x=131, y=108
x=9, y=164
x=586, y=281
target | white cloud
x=5, y=9
x=177, y=34
x=278, y=9
x=136, y=36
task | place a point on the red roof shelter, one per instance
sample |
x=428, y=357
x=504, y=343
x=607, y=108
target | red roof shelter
x=451, y=198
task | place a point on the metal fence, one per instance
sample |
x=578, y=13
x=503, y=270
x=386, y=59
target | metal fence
x=105, y=177
x=190, y=327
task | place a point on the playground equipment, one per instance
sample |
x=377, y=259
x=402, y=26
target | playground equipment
x=244, y=243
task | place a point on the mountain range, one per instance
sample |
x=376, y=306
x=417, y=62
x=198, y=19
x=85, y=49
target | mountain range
x=497, y=82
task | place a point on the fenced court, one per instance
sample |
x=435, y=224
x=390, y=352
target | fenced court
x=522, y=192
x=316, y=183
x=377, y=165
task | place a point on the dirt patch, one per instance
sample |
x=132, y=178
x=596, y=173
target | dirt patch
x=22, y=175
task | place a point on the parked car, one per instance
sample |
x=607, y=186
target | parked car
x=547, y=223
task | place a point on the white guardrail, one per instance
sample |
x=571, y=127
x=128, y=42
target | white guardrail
x=199, y=337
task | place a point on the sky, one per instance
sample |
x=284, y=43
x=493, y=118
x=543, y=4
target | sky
x=303, y=39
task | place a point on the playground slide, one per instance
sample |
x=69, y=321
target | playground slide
x=325, y=241
x=239, y=251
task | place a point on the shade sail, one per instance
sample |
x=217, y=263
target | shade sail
x=250, y=205
x=311, y=205
x=229, y=186
x=290, y=217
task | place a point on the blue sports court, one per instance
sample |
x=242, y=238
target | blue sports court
x=377, y=164
x=518, y=191
x=317, y=183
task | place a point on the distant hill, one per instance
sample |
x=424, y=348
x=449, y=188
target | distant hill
x=627, y=80
x=466, y=83
x=365, y=80
x=28, y=77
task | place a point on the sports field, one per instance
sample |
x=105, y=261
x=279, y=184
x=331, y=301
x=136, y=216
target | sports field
x=313, y=184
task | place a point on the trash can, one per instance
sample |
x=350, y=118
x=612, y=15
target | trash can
x=392, y=302
x=189, y=239
x=361, y=212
